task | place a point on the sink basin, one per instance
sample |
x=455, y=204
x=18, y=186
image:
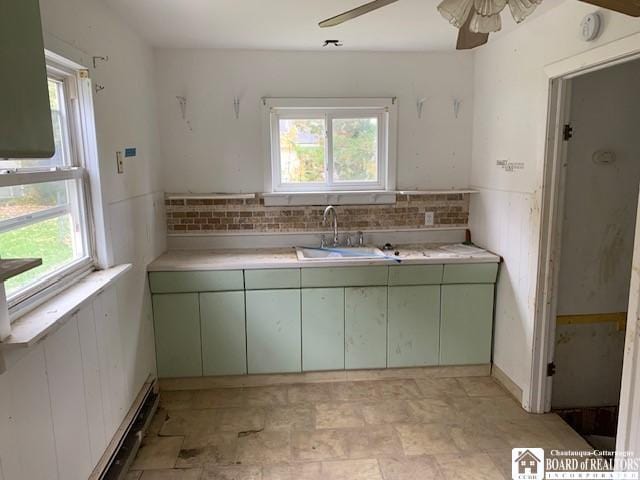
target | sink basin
x=339, y=253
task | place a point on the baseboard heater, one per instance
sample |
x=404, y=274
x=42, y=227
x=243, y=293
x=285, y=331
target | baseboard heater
x=125, y=444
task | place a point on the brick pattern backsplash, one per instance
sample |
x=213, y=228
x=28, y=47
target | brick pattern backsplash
x=195, y=216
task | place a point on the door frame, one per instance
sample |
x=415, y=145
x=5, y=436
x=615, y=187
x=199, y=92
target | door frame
x=559, y=76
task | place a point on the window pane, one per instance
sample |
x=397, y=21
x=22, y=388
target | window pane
x=302, y=151
x=52, y=240
x=355, y=149
x=41, y=221
x=60, y=133
x=28, y=199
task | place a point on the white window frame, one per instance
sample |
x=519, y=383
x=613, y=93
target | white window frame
x=78, y=107
x=384, y=109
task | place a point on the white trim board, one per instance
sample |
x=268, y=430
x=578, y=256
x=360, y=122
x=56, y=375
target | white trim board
x=37, y=324
x=537, y=399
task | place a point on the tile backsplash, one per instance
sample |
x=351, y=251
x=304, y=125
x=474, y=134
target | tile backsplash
x=201, y=216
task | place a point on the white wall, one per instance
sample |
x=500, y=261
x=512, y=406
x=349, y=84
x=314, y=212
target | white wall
x=125, y=113
x=223, y=154
x=133, y=204
x=510, y=108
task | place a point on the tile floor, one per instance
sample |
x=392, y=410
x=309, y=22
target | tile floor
x=392, y=429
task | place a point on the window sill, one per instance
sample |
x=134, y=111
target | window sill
x=370, y=197
x=363, y=197
x=33, y=326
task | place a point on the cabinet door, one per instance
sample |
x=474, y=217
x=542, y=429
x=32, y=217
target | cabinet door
x=466, y=324
x=273, y=331
x=26, y=130
x=414, y=325
x=322, y=329
x=224, y=341
x=177, y=327
x=366, y=327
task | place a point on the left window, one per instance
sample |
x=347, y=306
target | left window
x=44, y=202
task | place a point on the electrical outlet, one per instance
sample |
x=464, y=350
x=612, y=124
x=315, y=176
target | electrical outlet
x=120, y=162
x=429, y=219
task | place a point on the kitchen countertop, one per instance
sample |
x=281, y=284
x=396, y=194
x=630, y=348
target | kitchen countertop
x=190, y=260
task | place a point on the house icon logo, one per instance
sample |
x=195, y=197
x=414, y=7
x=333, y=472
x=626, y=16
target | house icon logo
x=527, y=463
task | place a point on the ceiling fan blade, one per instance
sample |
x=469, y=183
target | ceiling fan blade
x=628, y=7
x=356, y=12
x=468, y=39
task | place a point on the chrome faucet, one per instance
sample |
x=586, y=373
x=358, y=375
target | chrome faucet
x=327, y=211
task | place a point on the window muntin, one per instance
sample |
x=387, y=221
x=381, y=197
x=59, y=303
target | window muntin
x=354, y=149
x=43, y=204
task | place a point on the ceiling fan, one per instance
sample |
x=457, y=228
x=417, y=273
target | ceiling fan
x=476, y=19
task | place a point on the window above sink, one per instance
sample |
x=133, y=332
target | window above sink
x=324, y=145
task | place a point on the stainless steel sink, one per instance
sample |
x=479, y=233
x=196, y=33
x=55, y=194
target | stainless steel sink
x=339, y=253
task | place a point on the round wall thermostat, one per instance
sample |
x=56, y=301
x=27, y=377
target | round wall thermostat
x=590, y=26
x=604, y=157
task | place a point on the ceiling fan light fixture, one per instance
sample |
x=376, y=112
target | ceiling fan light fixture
x=488, y=24
x=489, y=7
x=521, y=9
x=456, y=11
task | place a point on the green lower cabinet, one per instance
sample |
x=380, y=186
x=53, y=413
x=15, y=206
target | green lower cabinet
x=366, y=327
x=177, y=331
x=414, y=326
x=322, y=329
x=224, y=347
x=466, y=324
x=273, y=331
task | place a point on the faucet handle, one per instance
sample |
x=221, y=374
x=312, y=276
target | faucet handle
x=349, y=240
x=323, y=241
x=360, y=239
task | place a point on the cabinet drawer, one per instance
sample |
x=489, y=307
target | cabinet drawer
x=470, y=273
x=274, y=278
x=179, y=282
x=415, y=275
x=345, y=276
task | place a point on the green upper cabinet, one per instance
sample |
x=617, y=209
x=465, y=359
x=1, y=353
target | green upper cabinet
x=224, y=346
x=177, y=329
x=466, y=324
x=274, y=342
x=366, y=327
x=322, y=329
x=414, y=325
x=26, y=129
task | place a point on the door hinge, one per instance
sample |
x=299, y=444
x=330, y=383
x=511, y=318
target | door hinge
x=551, y=369
x=567, y=132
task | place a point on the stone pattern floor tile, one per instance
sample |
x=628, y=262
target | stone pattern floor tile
x=158, y=453
x=400, y=425
x=173, y=474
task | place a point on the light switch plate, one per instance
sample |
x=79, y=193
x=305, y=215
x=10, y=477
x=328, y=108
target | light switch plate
x=120, y=162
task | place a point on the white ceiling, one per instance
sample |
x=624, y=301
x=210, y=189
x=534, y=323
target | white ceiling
x=408, y=25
